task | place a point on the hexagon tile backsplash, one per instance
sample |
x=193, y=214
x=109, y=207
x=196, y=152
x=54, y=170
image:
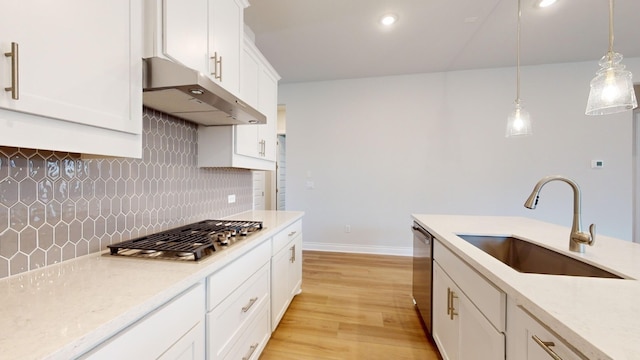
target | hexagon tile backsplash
x=57, y=206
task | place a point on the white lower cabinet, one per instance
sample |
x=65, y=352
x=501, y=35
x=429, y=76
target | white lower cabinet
x=174, y=331
x=252, y=342
x=530, y=340
x=238, y=296
x=286, y=270
x=468, y=311
x=229, y=315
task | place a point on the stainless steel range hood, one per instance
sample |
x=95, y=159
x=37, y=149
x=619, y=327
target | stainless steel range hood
x=188, y=94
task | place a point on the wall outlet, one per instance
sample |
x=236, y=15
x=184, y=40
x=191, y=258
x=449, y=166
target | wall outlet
x=231, y=198
x=347, y=228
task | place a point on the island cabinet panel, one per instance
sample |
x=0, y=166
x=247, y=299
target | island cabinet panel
x=74, y=70
x=174, y=331
x=529, y=339
x=466, y=322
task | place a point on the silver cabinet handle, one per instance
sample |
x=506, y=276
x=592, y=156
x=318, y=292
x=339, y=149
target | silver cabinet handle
x=292, y=233
x=252, y=349
x=546, y=346
x=448, y=301
x=451, y=310
x=217, y=64
x=250, y=304
x=292, y=258
x=15, y=73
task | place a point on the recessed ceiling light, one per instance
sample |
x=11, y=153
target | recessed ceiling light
x=388, y=19
x=545, y=3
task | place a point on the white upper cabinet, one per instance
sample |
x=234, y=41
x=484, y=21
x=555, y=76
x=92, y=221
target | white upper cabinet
x=184, y=32
x=246, y=146
x=204, y=35
x=259, y=88
x=76, y=70
x=226, y=22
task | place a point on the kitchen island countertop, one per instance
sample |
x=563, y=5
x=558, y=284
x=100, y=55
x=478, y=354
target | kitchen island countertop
x=63, y=310
x=599, y=317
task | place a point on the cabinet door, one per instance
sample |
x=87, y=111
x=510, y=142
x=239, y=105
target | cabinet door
x=77, y=60
x=280, y=291
x=185, y=26
x=225, y=39
x=445, y=329
x=460, y=330
x=190, y=347
x=479, y=340
x=247, y=142
x=268, y=105
x=295, y=266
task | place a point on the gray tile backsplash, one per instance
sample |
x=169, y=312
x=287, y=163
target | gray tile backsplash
x=56, y=206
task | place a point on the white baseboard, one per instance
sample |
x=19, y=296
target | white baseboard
x=359, y=249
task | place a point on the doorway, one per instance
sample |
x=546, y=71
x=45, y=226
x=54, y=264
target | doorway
x=259, y=202
x=281, y=172
x=636, y=170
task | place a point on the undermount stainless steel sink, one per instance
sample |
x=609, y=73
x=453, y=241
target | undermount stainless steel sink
x=527, y=257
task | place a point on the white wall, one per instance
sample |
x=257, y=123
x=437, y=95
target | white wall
x=379, y=149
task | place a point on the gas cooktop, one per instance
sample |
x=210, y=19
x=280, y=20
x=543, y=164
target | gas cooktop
x=189, y=242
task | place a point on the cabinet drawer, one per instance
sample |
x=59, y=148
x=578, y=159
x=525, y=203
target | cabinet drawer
x=282, y=238
x=223, y=282
x=529, y=329
x=159, y=331
x=227, y=321
x=486, y=297
x=251, y=344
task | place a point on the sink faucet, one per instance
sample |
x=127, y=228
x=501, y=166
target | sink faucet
x=577, y=239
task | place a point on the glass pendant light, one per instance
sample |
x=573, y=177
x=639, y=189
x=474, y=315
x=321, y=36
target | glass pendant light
x=612, y=88
x=519, y=121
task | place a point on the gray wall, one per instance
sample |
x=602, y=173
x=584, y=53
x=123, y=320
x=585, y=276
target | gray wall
x=57, y=206
x=379, y=149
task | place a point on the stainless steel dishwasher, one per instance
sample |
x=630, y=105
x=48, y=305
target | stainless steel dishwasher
x=422, y=272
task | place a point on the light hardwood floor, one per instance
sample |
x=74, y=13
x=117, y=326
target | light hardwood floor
x=352, y=306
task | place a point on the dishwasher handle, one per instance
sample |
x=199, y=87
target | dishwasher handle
x=422, y=234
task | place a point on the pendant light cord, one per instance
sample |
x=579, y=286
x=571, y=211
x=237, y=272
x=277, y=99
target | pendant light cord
x=610, y=29
x=518, y=57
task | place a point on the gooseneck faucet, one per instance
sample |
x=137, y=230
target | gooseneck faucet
x=577, y=239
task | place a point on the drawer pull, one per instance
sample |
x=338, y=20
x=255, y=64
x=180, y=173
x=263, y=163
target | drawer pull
x=546, y=346
x=250, y=304
x=252, y=349
x=15, y=79
x=292, y=233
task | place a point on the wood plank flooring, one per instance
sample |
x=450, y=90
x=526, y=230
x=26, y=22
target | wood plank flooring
x=352, y=306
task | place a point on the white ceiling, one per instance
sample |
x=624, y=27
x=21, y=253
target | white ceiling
x=309, y=40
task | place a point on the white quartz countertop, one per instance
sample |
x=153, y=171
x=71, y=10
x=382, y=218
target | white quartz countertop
x=64, y=310
x=599, y=317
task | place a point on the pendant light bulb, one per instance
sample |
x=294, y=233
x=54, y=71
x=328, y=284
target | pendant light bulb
x=519, y=120
x=612, y=87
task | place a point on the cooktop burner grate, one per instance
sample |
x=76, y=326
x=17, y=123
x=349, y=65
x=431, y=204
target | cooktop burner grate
x=192, y=240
